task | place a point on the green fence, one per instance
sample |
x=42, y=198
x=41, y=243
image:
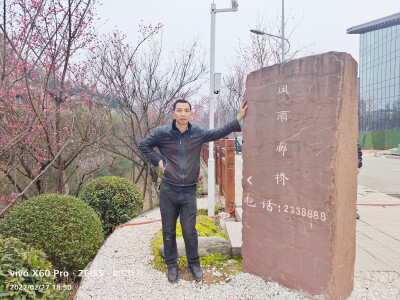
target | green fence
x=379, y=140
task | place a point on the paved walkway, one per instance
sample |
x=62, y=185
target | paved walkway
x=378, y=229
x=378, y=232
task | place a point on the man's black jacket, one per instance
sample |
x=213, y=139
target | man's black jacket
x=180, y=152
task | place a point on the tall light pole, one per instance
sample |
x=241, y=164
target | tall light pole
x=282, y=37
x=211, y=161
x=276, y=38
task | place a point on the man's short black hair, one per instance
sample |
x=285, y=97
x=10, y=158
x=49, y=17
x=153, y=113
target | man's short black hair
x=181, y=101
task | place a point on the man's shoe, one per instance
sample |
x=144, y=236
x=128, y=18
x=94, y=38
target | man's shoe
x=173, y=274
x=197, y=272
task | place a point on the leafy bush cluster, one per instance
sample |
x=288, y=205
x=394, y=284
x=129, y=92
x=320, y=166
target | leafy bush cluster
x=19, y=266
x=60, y=231
x=115, y=200
x=63, y=227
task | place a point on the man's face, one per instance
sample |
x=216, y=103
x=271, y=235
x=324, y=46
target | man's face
x=182, y=113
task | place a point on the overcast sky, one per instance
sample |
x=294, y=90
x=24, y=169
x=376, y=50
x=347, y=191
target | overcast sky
x=321, y=23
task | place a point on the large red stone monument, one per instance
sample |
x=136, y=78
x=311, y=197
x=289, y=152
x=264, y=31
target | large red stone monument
x=300, y=174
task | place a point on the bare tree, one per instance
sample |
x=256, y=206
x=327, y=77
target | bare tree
x=144, y=88
x=262, y=51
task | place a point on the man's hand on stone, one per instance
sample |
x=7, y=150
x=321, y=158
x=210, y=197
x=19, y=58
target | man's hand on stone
x=161, y=166
x=242, y=110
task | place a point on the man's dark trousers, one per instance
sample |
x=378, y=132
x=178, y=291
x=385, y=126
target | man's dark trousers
x=179, y=201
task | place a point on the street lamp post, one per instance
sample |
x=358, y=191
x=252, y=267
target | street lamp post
x=211, y=161
x=276, y=38
x=282, y=37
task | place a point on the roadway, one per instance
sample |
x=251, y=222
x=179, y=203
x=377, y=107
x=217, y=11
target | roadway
x=380, y=174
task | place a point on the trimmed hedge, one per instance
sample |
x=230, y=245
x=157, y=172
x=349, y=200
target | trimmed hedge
x=23, y=269
x=115, y=200
x=62, y=226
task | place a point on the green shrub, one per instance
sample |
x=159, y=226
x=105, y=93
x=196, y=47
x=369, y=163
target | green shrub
x=25, y=273
x=62, y=226
x=115, y=200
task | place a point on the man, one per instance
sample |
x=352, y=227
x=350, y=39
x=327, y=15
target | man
x=179, y=160
x=359, y=165
x=359, y=158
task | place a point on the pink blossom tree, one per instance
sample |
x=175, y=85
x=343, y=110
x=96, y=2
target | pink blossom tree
x=48, y=119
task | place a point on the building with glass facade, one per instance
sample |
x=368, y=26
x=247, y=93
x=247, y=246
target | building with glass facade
x=379, y=73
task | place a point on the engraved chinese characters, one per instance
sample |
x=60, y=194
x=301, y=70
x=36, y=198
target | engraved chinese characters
x=299, y=178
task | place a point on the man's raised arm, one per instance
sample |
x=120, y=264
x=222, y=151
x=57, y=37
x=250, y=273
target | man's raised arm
x=233, y=126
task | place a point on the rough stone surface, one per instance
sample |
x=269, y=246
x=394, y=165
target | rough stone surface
x=300, y=174
x=207, y=245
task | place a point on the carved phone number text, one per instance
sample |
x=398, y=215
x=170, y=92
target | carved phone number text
x=299, y=211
